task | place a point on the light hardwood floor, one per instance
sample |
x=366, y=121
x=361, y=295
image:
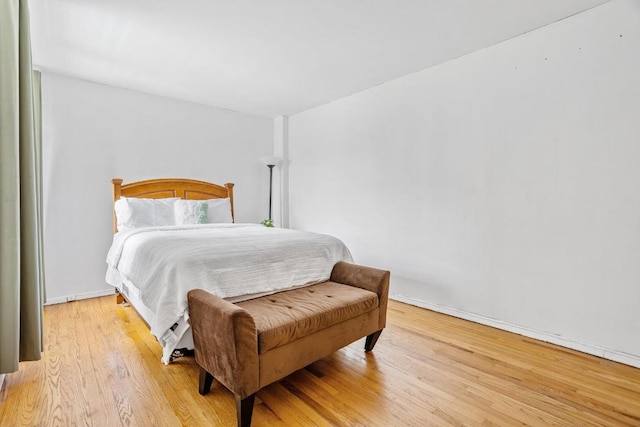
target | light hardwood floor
x=101, y=367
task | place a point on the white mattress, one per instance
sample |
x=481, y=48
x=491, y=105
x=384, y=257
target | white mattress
x=155, y=268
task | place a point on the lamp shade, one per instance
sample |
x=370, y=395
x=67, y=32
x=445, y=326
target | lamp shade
x=271, y=161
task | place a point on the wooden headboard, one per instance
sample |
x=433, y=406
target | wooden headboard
x=189, y=189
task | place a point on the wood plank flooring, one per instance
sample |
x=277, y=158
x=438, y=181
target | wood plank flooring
x=101, y=367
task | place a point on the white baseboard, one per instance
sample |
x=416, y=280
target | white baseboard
x=59, y=300
x=1, y=380
x=616, y=356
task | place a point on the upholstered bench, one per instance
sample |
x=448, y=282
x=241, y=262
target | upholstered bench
x=251, y=344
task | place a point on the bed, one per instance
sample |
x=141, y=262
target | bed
x=175, y=235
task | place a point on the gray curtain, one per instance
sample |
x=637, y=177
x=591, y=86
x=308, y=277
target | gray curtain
x=21, y=263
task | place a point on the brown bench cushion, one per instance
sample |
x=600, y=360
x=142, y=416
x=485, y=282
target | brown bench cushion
x=287, y=316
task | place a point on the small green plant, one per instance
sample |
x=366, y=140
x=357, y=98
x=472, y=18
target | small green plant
x=267, y=222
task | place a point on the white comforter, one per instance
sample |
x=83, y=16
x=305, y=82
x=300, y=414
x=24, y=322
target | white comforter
x=228, y=260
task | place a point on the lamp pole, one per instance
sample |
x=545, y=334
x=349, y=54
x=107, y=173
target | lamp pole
x=271, y=162
x=270, y=186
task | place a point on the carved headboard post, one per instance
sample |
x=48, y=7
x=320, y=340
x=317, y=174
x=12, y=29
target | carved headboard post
x=117, y=184
x=229, y=187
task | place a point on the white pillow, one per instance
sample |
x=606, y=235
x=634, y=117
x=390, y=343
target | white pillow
x=219, y=211
x=133, y=212
x=210, y=211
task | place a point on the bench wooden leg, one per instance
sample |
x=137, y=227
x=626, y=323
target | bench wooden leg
x=371, y=340
x=205, y=381
x=244, y=410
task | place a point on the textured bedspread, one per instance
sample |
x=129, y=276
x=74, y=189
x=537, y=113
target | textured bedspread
x=228, y=260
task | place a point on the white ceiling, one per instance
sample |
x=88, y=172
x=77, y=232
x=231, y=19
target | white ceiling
x=270, y=57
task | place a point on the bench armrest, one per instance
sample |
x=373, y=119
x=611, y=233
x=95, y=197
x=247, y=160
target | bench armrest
x=371, y=279
x=226, y=343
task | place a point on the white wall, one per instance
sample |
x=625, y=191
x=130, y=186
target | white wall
x=503, y=186
x=281, y=172
x=92, y=133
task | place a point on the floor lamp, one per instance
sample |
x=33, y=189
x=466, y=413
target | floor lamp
x=271, y=162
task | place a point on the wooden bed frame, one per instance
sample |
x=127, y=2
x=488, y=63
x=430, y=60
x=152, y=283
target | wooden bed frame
x=189, y=189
